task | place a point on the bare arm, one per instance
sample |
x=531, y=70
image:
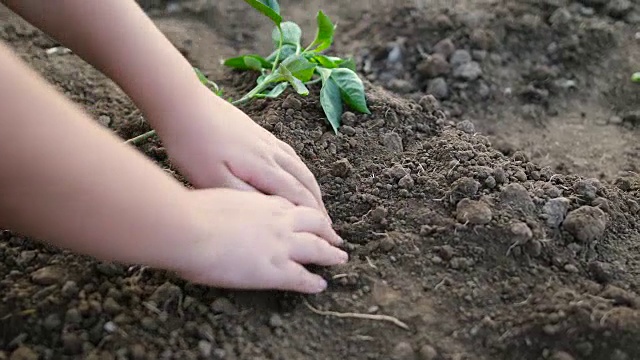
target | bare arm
x=120, y=40
x=67, y=180
x=212, y=142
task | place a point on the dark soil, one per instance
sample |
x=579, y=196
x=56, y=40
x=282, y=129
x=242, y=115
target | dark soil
x=524, y=249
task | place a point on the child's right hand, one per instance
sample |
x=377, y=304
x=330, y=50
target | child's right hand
x=247, y=240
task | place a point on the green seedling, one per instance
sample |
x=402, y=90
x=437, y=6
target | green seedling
x=636, y=77
x=292, y=65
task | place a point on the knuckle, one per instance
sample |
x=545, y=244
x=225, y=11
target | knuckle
x=288, y=148
x=304, y=195
x=320, y=246
x=281, y=203
x=279, y=230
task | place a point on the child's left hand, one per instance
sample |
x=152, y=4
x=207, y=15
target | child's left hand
x=215, y=144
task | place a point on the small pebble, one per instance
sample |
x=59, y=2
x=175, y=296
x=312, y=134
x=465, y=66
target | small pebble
x=403, y=351
x=466, y=126
x=292, y=102
x=473, y=212
x=52, y=322
x=521, y=232
x=111, y=307
x=398, y=171
x=348, y=118
x=561, y=355
x=48, y=275
x=341, y=168
x=460, y=57
x=438, y=87
x=444, y=47
x=393, y=142
x=586, y=223
x=138, y=352
x=205, y=348
x=555, y=211
x=434, y=66
x=23, y=353
x=72, y=343
x=275, y=321
x=224, y=306
x=427, y=352
x=406, y=182
x=570, y=268
x=73, y=316
x=104, y=120
x=347, y=130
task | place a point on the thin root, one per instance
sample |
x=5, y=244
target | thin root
x=525, y=301
x=373, y=317
x=371, y=262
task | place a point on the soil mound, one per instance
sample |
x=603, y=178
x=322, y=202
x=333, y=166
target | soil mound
x=550, y=78
x=458, y=251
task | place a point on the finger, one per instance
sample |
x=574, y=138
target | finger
x=310, y=220
x=310, y=249
x=288, y=149
x=272, y=180
x=292, y=276
x=311, y=181
x=233, y=182
x=294, y=166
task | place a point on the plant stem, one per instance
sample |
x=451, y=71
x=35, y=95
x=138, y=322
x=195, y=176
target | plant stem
x=314, y=81
x=275, y=62
x=256, y=90
x=140, y=138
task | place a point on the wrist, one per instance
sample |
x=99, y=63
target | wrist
x=164, y=106
x=180, y=238
x=187, y=115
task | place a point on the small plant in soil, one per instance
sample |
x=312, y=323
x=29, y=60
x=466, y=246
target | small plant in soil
x=292, y=65
x=636, y=77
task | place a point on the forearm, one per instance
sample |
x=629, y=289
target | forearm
x=120, y=40
x=66, y=180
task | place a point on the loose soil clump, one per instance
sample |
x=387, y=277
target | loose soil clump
x=458, y=250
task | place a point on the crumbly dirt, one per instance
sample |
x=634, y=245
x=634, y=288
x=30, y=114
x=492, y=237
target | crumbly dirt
x=510, y=236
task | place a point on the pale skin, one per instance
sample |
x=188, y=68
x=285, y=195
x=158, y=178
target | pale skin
x=257, y=215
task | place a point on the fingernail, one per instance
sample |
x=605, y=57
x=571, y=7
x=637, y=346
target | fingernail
x=344, y=257
x=320, y=286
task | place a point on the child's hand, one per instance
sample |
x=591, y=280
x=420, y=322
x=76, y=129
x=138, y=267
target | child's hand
x=248, y=240
x=215, y=144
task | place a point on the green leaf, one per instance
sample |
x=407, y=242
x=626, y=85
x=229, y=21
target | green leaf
x=351, y=89
x=348, y=64
x=291, y=32
x=636, y=77
x=324, y=34
x=322, y=60
x=275, y=92
x=203, y=79
x=286, y=52
x=300, y=67
x=208, y=83
x=253, y=63
x=248, y=62
x=283, y=73
x=269, y=8
x=332, y=62
x=331, y=103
